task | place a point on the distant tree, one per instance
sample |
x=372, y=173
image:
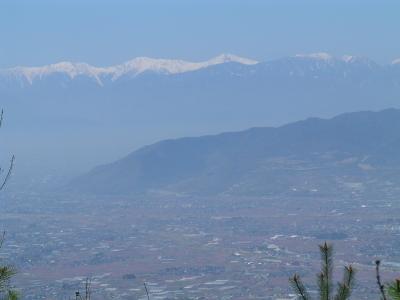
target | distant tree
x=325, y=280
x=6, y=271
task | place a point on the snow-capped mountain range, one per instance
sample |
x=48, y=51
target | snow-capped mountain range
x=144, y=100
x=140, y=65
x=133, y=67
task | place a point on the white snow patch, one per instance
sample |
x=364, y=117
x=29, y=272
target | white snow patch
x=396, y=61
x=319, y=56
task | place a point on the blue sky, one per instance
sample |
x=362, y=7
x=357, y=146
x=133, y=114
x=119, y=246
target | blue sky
x=109, y=32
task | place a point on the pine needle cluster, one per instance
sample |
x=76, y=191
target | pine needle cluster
x=325, y=280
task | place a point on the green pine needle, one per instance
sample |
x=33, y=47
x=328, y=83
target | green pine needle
x=394, y=289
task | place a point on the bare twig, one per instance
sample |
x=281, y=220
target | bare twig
x=147, y=291
x=3, y=183
x=1, y=117
x=378, y=280
x=299, y=287
x=8, y=173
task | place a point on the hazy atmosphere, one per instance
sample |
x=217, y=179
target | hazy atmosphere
x=199, y=149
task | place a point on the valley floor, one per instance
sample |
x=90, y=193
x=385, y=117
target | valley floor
x=193, y=248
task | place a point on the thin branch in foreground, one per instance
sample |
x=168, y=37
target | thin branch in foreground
x=299, y=287
x=8, y=173
x=1, y=117
x=378, y=280
x=147, y=291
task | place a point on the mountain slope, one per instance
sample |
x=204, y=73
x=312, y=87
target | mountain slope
x=108, y=111
x=311, y=155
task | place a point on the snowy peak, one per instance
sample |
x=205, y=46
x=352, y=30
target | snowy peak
x=225, y=58
x=133, y=67
x=361, y=60
x=323, y=56
x=173, y=66
x=396, y=61
x=68, y=68
x=328, y=58
x=159, y=65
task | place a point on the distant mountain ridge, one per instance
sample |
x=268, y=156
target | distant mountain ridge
x=141, y=65
x=133, y=67
x=100, y=113
x=349, y=153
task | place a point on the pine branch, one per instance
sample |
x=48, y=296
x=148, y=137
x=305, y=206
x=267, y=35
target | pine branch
x=321, y=285
x=345, y=287
x=6, y=272
x=299, y=287
x=12, y=295
x=394, y=290
x=325, y=278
